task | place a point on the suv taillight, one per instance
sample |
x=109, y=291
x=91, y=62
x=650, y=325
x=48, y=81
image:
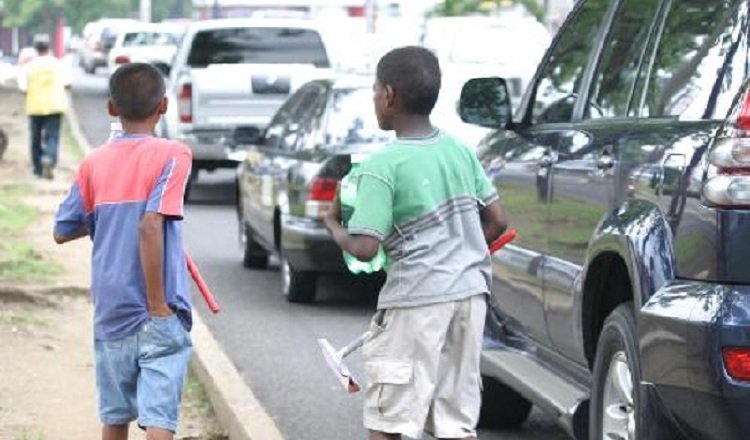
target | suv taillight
x=728, y=179
x=737, y=362
x=321, y=196
x=185, y=103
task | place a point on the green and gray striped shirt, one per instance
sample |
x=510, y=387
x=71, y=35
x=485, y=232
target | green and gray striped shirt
x=421, y=198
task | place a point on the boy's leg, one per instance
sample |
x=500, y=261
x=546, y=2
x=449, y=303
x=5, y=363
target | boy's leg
x=115, y=432
x=52, y=139
x=164, y=354
x=457, y=400
x=116, y=378
x=36, y=123
x=401, y=366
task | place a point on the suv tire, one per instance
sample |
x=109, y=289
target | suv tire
x=253, y=254
x=502, y=406
x=297, y=287
x=617, y=358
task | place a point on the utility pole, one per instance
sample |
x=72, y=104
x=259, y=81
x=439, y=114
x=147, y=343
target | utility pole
x=216, y=10
x=371, y=11
x=145, y=11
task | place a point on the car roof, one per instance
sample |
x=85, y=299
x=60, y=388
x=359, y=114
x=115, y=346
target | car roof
x=155, y=27
x=229, y=23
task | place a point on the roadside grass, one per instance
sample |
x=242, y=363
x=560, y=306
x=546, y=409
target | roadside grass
x=195, y=401
x=21, y=318
x=18, y=260
x=27, y=434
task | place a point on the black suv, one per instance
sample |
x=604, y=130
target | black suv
x=623, y=308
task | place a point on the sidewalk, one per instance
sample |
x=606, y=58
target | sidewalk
x=47, y=388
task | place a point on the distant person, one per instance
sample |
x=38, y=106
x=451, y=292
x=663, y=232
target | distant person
x=427, y=201
x=44, y=80
x=128, y=197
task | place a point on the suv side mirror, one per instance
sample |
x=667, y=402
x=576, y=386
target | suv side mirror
x=247, y=135
x=485, y=102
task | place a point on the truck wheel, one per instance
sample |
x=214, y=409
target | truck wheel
x=253, y=254
x=618, y=408
x=298, y=287
x=502, y=406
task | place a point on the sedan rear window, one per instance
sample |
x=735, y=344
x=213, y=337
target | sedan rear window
x=257, y=46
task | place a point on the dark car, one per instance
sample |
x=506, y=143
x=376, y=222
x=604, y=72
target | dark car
x=291, y=174
x=623, y=308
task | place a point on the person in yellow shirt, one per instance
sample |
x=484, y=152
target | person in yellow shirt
x=44, y=80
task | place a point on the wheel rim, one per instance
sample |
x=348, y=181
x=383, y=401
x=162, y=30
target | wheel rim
x=618, y=407
x=286, y=275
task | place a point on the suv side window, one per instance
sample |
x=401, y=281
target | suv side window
x=701, y=61
x=614, y=83
x=560, y=80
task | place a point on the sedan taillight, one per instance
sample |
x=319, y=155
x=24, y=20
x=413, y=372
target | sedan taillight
x=320, y=197
x=122, y=59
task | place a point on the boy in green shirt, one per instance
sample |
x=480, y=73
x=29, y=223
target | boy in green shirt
x=427, y=201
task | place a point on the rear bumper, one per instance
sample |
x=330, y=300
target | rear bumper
x=211, y=147
x=308, y=246
x=682, y=330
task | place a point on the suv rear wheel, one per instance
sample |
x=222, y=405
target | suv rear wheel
x=298, y=287
x=502, y=406
x=618, y=409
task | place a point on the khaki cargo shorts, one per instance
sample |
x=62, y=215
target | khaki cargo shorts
x=422, y=369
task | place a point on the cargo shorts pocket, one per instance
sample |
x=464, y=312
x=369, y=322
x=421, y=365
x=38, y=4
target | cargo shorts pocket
x=390, y=389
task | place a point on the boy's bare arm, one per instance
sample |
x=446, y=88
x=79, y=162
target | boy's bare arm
x=151, y=235
x=362, y=247
x=494, y=221
x=82, y=232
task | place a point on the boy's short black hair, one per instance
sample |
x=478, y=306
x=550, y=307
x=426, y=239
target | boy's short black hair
x=136, y=90
x=414, y=73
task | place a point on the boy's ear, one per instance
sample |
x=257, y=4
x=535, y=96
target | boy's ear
x=163, y=105
x=390, y=96
x=112, y=109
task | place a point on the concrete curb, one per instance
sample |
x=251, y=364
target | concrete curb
x=234, y=403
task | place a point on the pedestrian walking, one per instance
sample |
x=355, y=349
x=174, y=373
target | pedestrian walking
x=427, y=201
x=128, y=197
x=44, y=79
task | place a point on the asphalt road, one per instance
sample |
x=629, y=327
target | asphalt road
x=271, y=342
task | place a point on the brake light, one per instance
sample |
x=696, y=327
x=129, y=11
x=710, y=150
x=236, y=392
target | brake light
x=321, y=196
x=122, y=59
x=323, y=189
x=737, y=362
x=185, y=103
x=728, y=182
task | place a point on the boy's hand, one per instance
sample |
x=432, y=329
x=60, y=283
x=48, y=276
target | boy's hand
x=334, y=212
x=161, y=310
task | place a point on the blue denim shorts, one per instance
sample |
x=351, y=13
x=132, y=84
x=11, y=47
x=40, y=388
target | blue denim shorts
x=140, y=377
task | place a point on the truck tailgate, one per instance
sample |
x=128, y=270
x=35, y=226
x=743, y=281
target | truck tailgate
x=227, y=95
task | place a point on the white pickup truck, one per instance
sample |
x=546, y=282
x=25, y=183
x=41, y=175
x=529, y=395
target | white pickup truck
x=235, y=73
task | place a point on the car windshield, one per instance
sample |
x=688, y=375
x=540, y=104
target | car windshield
x=132, y=39
x=352, y=119
x=257, y=46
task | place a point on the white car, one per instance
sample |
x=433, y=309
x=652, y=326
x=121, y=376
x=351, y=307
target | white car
x=99, y=37
x=146, y=42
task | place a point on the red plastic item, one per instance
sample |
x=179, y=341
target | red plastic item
x=504, y=239
x=205, y=291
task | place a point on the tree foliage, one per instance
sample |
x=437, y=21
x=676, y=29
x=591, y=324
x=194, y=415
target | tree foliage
x=450, y=8
x=40, y=15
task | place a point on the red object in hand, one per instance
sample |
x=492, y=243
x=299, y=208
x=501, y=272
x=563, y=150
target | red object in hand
x=501, y=241
x=205, y=291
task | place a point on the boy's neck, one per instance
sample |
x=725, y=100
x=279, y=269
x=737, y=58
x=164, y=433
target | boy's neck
x=138, y=127
x=413, y=126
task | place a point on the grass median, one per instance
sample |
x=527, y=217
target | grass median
x=18, y=260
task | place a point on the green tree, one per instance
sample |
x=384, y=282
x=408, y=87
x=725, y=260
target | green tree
x=466, y=7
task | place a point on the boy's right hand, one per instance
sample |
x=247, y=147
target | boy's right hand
x=161, y=310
